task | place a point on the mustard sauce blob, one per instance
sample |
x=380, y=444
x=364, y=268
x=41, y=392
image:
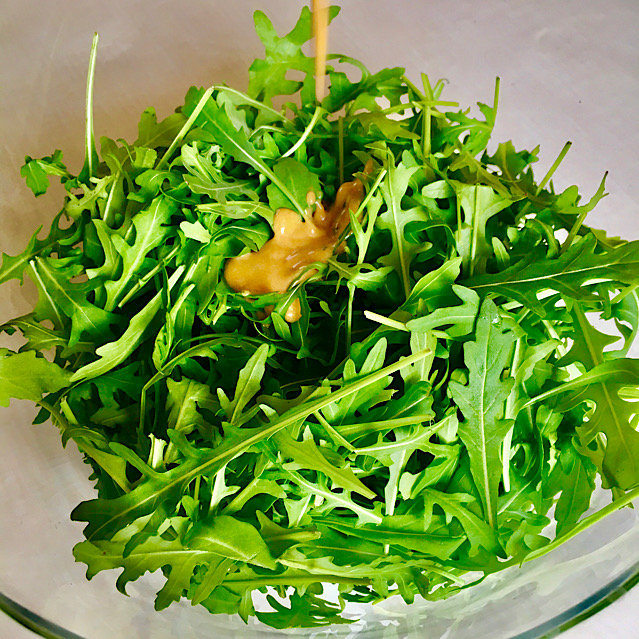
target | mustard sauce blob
x=295, y=245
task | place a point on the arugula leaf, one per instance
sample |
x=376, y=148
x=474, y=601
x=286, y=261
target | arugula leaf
x=395, y=219
x=13, y=267
x=566, y=274
x=479, y=533
x=574, y=474
x=299, y=180
x=307, y=455
x=396, y=532
x=153, y=134
x=150, y=230
x=462, y=317
x=61, y=299
x=307, y=611
x=479, y=203
x=613, y=416
x=248, y=384
x=26, y=376
x=267, y=77
x=482, y=403
x=36, y=172
x=114, y=353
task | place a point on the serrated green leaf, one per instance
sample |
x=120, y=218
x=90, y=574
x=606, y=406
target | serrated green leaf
x=482, y=403
x=298, y=179
x=26, y=376
x=566, y=274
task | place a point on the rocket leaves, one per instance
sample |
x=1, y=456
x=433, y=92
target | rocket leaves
x=446, y=398
x=26, y=376
x=482, y=403
x=568, y=274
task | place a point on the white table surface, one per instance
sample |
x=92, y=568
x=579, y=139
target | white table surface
x=568, y=71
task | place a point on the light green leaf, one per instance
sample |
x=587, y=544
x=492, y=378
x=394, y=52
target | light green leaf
x=482, y=403
x=248, y=385
x=195, y=231
x=26, y=376
x=298, y=179
x=231, y=538
x=307, y=455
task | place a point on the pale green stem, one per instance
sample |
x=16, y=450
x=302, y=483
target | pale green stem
x=306, y=502
x=88, y=132
x=306, y=133
x=385, y=321
x=196, y=490
x=217, y=492
x=107, y=208
x=630, y=290
x=337, y=438
x=364, y=428
x=577, y=225
x=426, y=132
x=149, y=276
x=496, y=96
x=475, y=232
x=509, y=413
x=186, y=128
x=349, y=317
x=293, y=580
x=156, y=454
x=553, y=168
x=371, y=221
x=548, y=176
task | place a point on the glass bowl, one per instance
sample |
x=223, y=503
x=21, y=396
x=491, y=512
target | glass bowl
x=568, y=72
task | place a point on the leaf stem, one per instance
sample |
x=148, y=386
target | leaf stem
x=337, y=438
x=629, y=290
x=553, y=168
x=349, y=317
x=386, y=321
x=426, y=132
x=307, y=132
x=547, y=177
x=414, y=89
x=185, y=129
x=107, y=209
x=580, y=220
x=290, y=580
x=89, y=140
x=254, y=103
x=370, y=225
x=509, y=413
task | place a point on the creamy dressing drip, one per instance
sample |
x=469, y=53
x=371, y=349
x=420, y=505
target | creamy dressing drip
x=296, y=243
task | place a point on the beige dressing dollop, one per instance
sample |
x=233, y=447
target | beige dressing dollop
x=295, y=244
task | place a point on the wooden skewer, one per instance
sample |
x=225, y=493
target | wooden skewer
x=320, y=31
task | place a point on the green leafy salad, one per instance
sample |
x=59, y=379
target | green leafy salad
x=441, y=410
